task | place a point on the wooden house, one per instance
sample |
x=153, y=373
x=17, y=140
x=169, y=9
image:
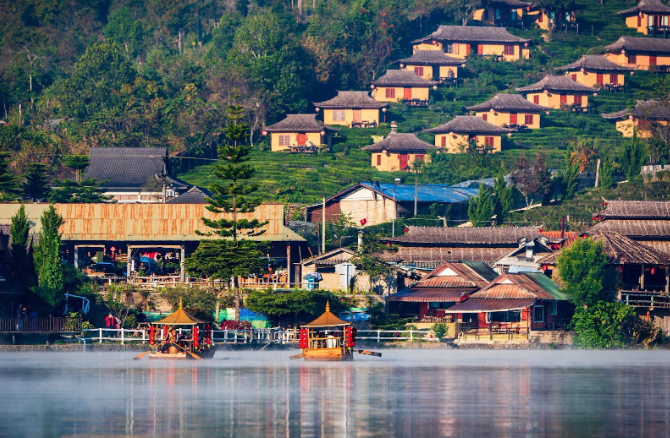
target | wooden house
x=639, y=53
x=298, y=131
x=428, y=247
x=524, y=258
x=562, y=17
x=368, y=204
x=402, y=85
x=399, y=152
x=558, y=92
x=502, y=13
x=462, y=41
x=433, y=65
x=514, y=303
x=648, y=17
x=352, y=109
x=134, y=175
x=455, y=136
x=443, y=287
x=642, y=119
x=597, y=71
x=509, y=111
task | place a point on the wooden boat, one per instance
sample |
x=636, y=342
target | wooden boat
x=327, y=338
x=196, y=345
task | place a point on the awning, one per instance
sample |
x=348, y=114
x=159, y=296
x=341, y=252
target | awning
x=429, y=294
x=474, y=305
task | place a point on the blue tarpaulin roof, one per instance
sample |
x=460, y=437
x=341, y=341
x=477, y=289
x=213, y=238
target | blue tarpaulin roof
x=425, y=192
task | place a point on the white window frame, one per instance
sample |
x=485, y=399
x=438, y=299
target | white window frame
x=284, y=139
x=338, y=116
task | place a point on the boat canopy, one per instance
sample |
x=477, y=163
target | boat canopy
x=328, y=319
x=179, y=317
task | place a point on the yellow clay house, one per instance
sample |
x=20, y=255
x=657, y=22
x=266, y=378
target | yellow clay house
x=432, y=65
x=642, y=119
x=504, y=13
x=298, y=131
x=509, y=111
x=555, y=18
x=402, y=85
x=648, y=17
x=462, y=41
x=558, y=92
x=456, y=135
x=639, y=53
x=399, y=152
x=596, y=71
x=352, y=109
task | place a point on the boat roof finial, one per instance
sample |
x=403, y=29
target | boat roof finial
x=328, y=306
x=181, y=304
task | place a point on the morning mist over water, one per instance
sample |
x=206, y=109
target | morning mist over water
x=406, y=393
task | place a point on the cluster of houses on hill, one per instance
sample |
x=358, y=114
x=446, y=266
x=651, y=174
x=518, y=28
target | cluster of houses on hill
x=436, y=60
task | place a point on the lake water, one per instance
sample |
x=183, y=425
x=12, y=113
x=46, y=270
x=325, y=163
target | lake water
x=406, y=393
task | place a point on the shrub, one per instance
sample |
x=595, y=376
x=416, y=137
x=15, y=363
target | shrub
x=440, y=330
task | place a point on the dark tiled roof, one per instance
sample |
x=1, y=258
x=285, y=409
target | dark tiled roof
x=331, y=258
x=594, y=63
x=351, y=99
x=468, y=125
x=510, y=3
x=639, y=44
x=476, y=305
x=557, y=83
x=128, y=168
x=645, y=110
x=425, y=295
x=635, y=228
x=647, y=7
x=636, y=210
x=432, y=57
x=396, y=142
x=403, y=78
x=508, y=102
x=469, y=236
x=472, y=34
x=420, y=256
x=298, y=123
x=194, y=195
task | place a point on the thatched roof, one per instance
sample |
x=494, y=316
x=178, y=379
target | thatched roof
x=645, y=110
x=470, y=236
x=351, y=99
x=298, y=123
x=594, y=63
x=468, y=125
x=639, y=44
x=397, y=142
x=508, y=102
x=647, y=7
x=472, y=34
x=557, y=83
x=402, y=78
x=432, y=57
x=636, y=210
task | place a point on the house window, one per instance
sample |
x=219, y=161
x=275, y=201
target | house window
x=379, y=160
x=448, y=48
x=512, y=119
x=509, y=49
x=574, y=77
x=485, y=117
x=284, y=140
x=528, y=119
x=488, y=141
x=456, y=48
x=538, y=313
x=632, y=59
x=599, y=79
x=578, y=100
x=564, y=100
x=390, y=93
x=508, y=316
x=553, y=308
x=536, y=100
x=614, y=79
x=652, y=60
x=418, y=71
x=338, y=116
x=541, y=17
x=418, y=157
x=443, y=141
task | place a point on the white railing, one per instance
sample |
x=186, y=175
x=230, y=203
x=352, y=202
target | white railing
x=396, y=335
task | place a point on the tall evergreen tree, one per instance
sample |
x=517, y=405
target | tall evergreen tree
x=19, y=235
x=481, y=208
x=569, y=176
x=71, y=192
x=8, y=185
x=504, y=198
x=632, y=157
x=48, y=266
x=36, y=184
x=607, y=174
x=77, y=163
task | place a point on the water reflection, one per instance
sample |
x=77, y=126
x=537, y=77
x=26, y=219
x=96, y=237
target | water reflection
x=406, y=394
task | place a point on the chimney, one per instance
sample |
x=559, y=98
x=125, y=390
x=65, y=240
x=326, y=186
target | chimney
x=530, y=249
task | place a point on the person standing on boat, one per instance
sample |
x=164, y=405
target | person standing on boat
x=172, y=339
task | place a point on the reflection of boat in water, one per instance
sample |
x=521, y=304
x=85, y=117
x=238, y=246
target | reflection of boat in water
x=196, y=345
x=328, y=338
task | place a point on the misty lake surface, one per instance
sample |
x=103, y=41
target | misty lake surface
x=406, y=393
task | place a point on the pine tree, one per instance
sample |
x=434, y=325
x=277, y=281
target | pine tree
x=607, y=174
x=19, y=233
x=8, y=185
x=71, y=192
x=569, y=176
x=77, y=163
x=481, y=208
x=36, y=184
x=504, y=198
x=48, y=266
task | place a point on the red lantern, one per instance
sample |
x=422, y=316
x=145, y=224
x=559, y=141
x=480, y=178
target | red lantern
x=604, y=204
x=208, y=335
x=405, y=229
x=653, y=271
x=349, y=337
x=620, y=268
x=364, y=221
x=540, y=230
x=152, y=335
x=164, y=332
x=388, y=243
x=196, y=336
x=544, y=268
x=600, y=218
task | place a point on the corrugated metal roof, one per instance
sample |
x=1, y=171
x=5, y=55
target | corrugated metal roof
x=425, y=192
x=474, y=305
x=482, y=269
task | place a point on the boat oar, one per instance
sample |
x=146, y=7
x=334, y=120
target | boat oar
x=140, y=356
x=369, y=353
x=297, y=356
x=193, y=355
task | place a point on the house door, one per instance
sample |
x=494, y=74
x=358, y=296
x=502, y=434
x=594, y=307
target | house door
x=357, y=116
x=652, y=60
x=403, y=161
x=408, y=94
x=480, y=49
x=302, y=139
x=512, y=119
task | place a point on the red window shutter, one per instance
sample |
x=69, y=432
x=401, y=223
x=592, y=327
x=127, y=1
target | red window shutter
x=541, y=19
x=599, y=79
x=632, y=59
x=480, y=49
x=488, y=141
x=564, y=99
x=418, y=71
x=639, y=21
x=578, y=100
x=512, y=118
x=379, y=160
x=652, y=60
x=536, y=100
x=614, y=79
x=418, y=158
x=467, y=50
x=444, y=141
x=485, y=117
x=529, y=119
x=573, y=77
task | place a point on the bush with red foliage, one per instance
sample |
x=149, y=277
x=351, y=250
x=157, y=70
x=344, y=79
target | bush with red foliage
x=235, y=325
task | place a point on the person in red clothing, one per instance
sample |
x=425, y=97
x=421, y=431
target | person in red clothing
x=110, y=321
